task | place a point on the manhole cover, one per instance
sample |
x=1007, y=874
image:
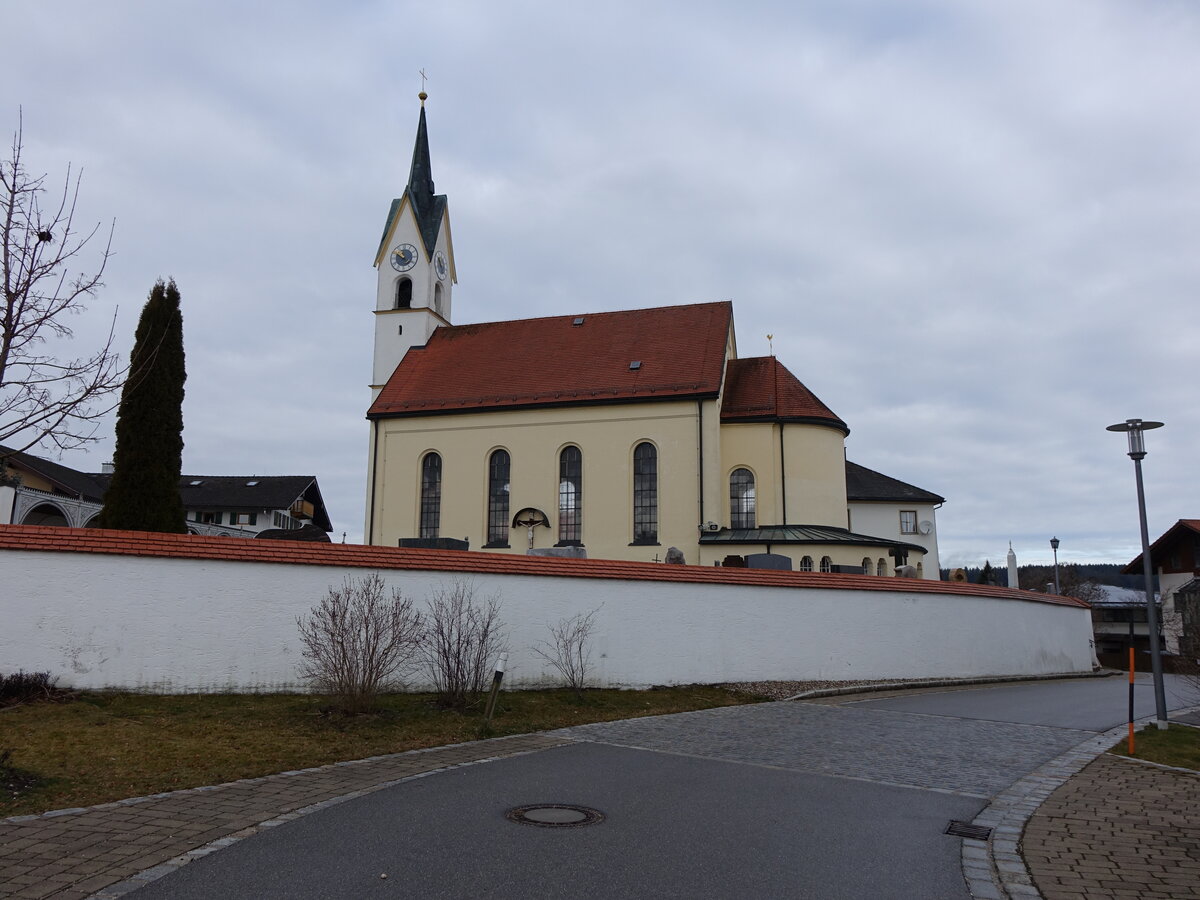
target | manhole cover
x=555, y=815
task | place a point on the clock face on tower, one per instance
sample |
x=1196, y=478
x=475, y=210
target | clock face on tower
x=440, y=266
x=404, y=257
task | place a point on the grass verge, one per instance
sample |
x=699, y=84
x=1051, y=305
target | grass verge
x=108, y=746
x=1178, y=745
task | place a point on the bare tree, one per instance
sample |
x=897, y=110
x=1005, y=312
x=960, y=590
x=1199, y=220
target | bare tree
x=360, y=641
x=463, y=638
x=569, y=649
x=43, y=397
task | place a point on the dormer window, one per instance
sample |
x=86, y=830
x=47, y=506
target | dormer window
x=404, y=293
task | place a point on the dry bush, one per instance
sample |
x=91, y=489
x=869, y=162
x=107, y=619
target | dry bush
x=569, y=649
x=360, y=641
x=463, y=639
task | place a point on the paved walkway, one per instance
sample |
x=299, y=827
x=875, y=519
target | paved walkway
x=73, y=854
x=1119, y=829
x=1111, y=828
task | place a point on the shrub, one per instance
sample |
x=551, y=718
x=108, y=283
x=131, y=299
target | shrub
x=463, y=638
x=360, y=641
x=569, y=649
x=27, y=687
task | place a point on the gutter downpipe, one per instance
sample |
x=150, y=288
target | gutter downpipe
x=700, y=442
x=374, y=463
x=782, y=473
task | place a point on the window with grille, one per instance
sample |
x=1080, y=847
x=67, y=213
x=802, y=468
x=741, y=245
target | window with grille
x=499, y=465
x=908, y=521
x=868, y=566
x=826, y=564
x=741, y=499
x=404, y=293
x=431, y=495
x=881, y=568
x=645, y=494
x=806, y=564
x=570, y=496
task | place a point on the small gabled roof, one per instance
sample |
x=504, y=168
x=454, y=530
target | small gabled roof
x=761, y=389
x=668, y=352
x=867, y=484
x=1179, y=529
x=65, y=479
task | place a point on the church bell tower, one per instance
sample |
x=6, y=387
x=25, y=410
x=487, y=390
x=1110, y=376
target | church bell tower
x=415, y=266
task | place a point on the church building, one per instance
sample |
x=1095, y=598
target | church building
x=615, y=435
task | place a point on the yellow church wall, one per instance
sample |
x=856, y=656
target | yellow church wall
x=813, y=472
x=606, y=437
x=816, y=475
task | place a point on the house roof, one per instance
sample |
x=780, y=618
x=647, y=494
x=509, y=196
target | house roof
x=43, y=539
x=867, y=484
x=679, y=352
x=801, y=534
x=1179, y=529
x=761, y=389
x=225, y=492
x=65, y=479
x=249, y=492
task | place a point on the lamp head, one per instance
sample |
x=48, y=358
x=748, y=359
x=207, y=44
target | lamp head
x=1054, y=542
x=1135, y=428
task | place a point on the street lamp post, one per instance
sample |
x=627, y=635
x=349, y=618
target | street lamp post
x=1137, y=452
x=1054, y=546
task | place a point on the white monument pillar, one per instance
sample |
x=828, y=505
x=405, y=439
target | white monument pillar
x=1013, y=581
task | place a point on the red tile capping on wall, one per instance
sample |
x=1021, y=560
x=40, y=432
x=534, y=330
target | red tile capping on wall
x=49, y=539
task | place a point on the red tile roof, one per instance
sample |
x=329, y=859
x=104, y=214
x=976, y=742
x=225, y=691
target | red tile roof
x=762, y=389
x=552, y=361
x=46, y=539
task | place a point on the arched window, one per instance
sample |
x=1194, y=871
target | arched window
x=645, y=494
x=826, y=564
x=431, y=495
x=404, y=293
x=868, y=566
x=570, y=496
x=806, y=564
x=881, y=569
x=437, y=299
x=741, y=499
x=920, y=570
x=498, y=472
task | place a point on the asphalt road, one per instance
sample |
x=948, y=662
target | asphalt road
x=1090, y=704
x=788, y=800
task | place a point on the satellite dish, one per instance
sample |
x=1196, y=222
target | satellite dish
x=926, y=527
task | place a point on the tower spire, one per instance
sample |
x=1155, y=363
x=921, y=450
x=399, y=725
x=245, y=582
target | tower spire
x=420, y=176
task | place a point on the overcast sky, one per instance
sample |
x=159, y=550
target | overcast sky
x=971, y=227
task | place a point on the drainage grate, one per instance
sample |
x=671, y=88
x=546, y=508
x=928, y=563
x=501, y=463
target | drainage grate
x=554, y=815
x=967, y=830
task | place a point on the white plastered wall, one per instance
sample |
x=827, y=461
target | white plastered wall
x=173, y=625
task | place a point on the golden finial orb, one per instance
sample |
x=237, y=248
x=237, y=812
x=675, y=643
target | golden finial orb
x=422, y=97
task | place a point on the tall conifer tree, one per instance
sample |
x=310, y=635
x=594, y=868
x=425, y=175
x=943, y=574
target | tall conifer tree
x=144, y=492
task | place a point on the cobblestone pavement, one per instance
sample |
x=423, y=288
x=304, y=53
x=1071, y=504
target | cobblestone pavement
x=114, y=848
x=972, y=757
x=1118, y=829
